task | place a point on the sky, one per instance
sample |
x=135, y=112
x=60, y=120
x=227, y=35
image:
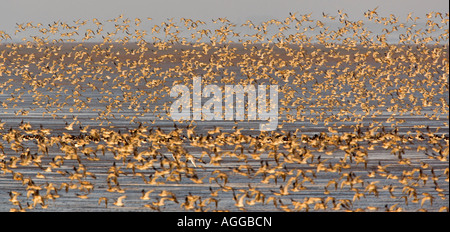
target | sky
x=238, y=11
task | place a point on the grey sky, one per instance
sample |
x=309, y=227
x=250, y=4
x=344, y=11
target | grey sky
x=45, y=11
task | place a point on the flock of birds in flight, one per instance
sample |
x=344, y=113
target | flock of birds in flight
x=375, y=100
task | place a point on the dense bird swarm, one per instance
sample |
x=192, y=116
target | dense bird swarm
x=84, y=123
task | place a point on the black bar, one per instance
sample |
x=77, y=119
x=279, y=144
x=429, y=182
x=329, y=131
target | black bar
x=233, y=221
